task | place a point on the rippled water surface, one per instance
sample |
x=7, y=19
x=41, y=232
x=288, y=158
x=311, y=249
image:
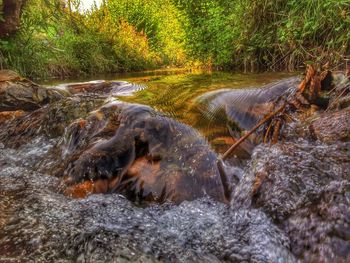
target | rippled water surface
x=176, y=93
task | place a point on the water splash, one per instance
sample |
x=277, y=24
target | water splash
x=43, y=225
x=247, y=106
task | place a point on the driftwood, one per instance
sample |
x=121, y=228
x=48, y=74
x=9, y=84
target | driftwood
x=262, y=122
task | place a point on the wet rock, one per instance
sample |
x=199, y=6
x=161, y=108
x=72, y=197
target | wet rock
x=50, y=120
x=305, y=189
x=124, y=148
x=119, y=88
x=42, y=225
x=17, y=93
x=320, y=233
x=10, y=115
x=330, y=127
x=146, y=156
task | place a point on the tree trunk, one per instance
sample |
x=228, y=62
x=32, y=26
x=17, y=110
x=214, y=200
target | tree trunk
x=11, y=16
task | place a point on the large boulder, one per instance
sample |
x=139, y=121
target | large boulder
x=120, y=148
x=304, y=187
x=133, y=150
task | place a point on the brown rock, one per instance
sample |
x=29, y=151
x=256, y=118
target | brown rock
x=330, y=127
x=17, y=93
x=148, y=157
x=10, y=115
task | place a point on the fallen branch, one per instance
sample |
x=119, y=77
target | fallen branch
x=243, y=138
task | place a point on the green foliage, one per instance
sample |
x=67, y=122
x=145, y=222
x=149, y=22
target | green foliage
x=158, y=20
x=273, y=34
x=209, y=30
x=55, y=39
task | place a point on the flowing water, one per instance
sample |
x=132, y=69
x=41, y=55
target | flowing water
x=40, y=224
x=177, y=96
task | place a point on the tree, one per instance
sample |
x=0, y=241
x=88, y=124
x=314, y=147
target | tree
x=11, y=16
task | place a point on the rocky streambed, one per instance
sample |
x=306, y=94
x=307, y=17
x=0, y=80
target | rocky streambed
x=86, y=177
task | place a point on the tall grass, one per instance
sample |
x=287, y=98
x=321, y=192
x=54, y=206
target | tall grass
x=56, y=41
x=130, y=35
x=267, y=34
x=292, y=32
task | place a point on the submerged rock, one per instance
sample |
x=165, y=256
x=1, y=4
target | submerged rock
x=245, y=107
x=17, y=93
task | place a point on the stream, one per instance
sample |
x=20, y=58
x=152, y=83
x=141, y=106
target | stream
x=300, y=213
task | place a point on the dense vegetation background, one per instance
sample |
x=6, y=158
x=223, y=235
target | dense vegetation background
x=58, y=38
